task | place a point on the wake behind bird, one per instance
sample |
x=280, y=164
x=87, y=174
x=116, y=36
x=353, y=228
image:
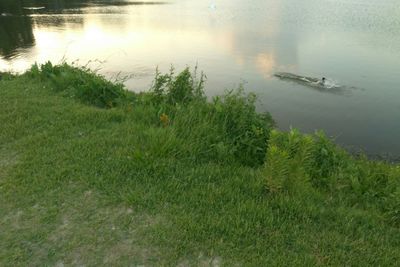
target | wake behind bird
x=321, y=83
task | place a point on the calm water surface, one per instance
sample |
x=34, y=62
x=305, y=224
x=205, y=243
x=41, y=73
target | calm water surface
x=355, y=43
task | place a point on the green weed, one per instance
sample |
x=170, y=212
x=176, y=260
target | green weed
x=295, y=161
x=225, y=129
x=81, y=83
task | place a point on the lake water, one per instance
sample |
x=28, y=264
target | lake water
x=354, y=43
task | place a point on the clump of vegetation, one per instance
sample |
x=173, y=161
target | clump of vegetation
x=80, y=82
x=225, y=129
x=178, y=89
x=296, y=163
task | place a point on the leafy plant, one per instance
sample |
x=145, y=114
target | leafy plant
x=227, y=128
x=80, y=82
x=178, y=89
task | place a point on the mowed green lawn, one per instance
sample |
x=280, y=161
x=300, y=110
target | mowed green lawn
x=141, y=184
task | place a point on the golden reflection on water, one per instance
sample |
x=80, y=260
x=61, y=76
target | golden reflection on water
x=140, y=38
x=266, y=64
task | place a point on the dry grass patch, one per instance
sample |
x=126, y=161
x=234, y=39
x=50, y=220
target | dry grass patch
x=85, y=230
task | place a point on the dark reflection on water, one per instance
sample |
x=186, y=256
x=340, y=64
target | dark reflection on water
x=16, y=26
x=63, y=6
x=20, y=7
x=15, y=32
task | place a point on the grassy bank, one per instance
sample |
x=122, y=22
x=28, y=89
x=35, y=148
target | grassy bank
x=93, y=175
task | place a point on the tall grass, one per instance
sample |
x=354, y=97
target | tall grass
x=80, y=83
x=226, y=129
x=297, y=162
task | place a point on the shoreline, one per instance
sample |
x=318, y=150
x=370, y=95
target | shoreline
x=91, y=174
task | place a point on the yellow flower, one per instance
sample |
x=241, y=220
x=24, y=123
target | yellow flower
x=164, y=119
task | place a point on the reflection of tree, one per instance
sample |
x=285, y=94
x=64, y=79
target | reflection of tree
x=17, y=20
x=16, y=24
x=15, y=29
x=15, y=32
x=16, y=6
x=56, y=5
x=11, y=7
